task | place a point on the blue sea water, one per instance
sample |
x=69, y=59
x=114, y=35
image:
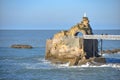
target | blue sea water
x=29, y=64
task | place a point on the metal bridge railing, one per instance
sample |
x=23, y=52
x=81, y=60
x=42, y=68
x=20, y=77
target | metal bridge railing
x=104, y=37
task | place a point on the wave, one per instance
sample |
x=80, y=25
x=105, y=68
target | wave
x=35, y=66
x=43, y=60
x=60, y=66
x=112, y=61
x=102, y=65
x=45, y=64
x=42, y=64
x=88, y=65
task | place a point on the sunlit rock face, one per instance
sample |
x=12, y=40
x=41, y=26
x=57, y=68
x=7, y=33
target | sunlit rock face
x=66, y=46
x=83, y=27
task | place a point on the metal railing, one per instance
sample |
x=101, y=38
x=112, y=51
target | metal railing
x=103, y=37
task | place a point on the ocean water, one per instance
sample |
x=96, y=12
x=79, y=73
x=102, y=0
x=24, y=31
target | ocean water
x=30, y=64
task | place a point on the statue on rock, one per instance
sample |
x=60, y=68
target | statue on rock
x=66, y=47
x=83, y=27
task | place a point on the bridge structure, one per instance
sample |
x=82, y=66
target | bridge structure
x=101, y=38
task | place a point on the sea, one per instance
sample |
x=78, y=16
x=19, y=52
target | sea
x=30, y=64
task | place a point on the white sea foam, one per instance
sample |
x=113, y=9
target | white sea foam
x=102, y=65
x=42, y=64
x=87, y=65
x=45, y=64
x=36, y=66
x=113, y=65
x=61, y=65
x=32, y=65
x=66, y=65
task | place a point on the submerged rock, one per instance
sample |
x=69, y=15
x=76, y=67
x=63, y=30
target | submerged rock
x=67, y=46
x=21, y=46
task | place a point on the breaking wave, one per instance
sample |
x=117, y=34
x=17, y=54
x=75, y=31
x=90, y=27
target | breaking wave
x=45, y=64
x=88, y=65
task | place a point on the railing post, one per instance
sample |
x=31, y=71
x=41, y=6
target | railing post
x=93, y=47
x=101, y=46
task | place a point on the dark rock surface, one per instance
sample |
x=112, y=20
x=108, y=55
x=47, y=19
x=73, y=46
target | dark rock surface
x=21, y=46
x=111, y=51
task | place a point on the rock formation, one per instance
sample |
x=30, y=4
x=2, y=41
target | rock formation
x=83, y=27
x=21, y=46
x=66, y=46
x=110, y=51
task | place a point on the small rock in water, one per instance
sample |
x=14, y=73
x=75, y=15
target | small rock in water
x=21, y=46
x=111, y=51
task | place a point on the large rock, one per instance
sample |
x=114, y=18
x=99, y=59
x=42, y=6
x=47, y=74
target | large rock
x=21, y=46
x=66, y=46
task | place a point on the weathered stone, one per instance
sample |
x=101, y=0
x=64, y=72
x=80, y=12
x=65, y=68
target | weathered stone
x=21, y=46
x=65, y=46
x=100, y=60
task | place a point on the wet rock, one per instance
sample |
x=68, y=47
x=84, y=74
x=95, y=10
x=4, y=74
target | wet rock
x=21, y=46
x=100, y=60
x=111, y=51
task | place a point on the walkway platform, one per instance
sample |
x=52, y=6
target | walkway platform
x=103, y=37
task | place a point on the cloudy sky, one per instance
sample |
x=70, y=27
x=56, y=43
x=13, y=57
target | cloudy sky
x=58, y=14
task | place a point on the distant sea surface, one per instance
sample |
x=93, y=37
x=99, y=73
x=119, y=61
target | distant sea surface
x=30, y=64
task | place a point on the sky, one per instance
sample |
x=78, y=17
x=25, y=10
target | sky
x=58, y=14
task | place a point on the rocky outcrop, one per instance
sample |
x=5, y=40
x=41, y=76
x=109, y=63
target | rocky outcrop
x=21, y=46
x=83, y=27
x=111, y=51
x=66, y=46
